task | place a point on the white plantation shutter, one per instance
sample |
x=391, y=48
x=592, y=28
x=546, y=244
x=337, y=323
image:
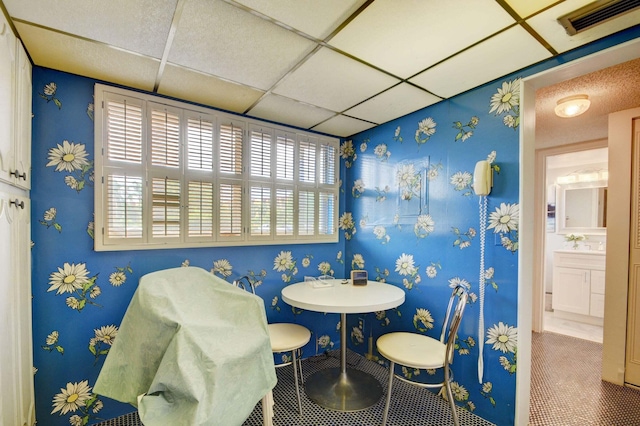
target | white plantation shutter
x=284, y=211
x=123, y=206
x=260, y=211
x=165, y=201
x=123, y=176
x=231, y=145
x=327, y=164
x=327, y=212
x=172, y=175
x=285, y=153
x=306, y=213
x=307, y=160
x=328, y=196
x=200, y=202
x=165, y=136
x=260, y=152
x=200, y=143
x=230, y=196
x=124, y=130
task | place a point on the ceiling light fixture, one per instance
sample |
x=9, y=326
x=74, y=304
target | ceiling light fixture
x=572, y=106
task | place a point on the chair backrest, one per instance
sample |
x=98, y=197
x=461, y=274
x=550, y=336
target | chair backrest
x=244, y=282
x=455, y=309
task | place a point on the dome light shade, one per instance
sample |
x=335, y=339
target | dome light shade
x=572, y=106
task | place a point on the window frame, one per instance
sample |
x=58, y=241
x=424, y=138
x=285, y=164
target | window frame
x=227, y=129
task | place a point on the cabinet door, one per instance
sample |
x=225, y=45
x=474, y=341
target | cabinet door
x=596, y=308
x=571, y=290
x=22, y=159
x=7, y=84
x=16, y=361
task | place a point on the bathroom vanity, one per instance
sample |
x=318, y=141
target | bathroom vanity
x=578, y=285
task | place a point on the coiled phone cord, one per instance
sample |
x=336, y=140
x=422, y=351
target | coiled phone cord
x=482, y=207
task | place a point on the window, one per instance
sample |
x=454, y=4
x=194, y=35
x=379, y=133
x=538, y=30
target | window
x=171, y=174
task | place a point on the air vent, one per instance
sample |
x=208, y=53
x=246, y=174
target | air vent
x=596, y=13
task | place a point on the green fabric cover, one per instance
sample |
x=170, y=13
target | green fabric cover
x=192, y=349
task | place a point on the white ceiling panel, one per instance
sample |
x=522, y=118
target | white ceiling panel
x=141, y=26
x=343, y=126
x=526, y=8
x=395, y=102
x=405, y=37
x=507, y=52
x=207, y=90
x=333, y=81
x=81, y=57
x=345, y=64
x=284, y=110
x=306, y=15
x=228, y=42
x=546, y=24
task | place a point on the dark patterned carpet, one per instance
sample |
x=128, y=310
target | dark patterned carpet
x=410, y=406
x=566, y=389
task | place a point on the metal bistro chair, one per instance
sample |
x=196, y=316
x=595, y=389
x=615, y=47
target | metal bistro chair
x=423, y=352
x=285, y=337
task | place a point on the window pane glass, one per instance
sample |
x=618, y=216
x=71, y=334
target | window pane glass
x=284, y=211
x=231, y=148
x=165, y=207
x=165, y=138
x=260, y=210
x=306, y=213
x=123, y=131
x=230, y=210
x=200, y=209
x=124, y=206
x=200, y=144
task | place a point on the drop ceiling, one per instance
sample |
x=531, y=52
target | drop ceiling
x=332, y=66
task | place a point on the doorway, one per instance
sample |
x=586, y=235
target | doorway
x=532, y=209
x=575, y=182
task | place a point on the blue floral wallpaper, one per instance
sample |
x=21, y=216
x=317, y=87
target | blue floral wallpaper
x=409, y=216
x=413, y=219
x=80, y=296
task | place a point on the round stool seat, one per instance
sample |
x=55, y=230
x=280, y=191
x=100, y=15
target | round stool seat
x=287, y=337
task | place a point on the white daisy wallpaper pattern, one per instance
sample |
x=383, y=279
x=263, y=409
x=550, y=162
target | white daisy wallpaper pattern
x=409, y=216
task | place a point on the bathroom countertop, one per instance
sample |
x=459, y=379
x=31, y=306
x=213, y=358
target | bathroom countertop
x=600, y=252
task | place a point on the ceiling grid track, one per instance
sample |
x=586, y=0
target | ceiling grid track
x=177, y=14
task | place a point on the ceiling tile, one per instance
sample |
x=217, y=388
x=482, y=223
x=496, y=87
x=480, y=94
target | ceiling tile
x=343, y=126
x=141, y=26
x=77, y=56
x=284, y=110
x=304, y=15
x=526, y=8
x=547, y=26
x=503, y=54
x=207, y=90
x=405, y=37
x=333, y=81
x=393, y=103
x=217, y=38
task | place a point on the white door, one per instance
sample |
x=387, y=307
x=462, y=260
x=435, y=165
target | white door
x=632, y=367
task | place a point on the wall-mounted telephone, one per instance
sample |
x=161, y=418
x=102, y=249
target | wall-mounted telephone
x=482, y=178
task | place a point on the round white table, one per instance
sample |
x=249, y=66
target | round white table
x=343, y=389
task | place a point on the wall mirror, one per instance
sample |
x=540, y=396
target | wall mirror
x=582, y=208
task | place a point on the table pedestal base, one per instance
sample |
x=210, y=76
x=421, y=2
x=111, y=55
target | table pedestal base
x=353, y=390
